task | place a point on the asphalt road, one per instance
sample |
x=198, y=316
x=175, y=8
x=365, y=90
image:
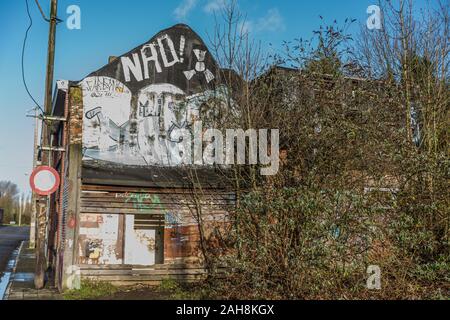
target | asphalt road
x=10, y=239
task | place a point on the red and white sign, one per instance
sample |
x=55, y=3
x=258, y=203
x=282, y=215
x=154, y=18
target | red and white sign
x=44, y=181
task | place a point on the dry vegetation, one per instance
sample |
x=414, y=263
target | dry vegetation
x=365, y=169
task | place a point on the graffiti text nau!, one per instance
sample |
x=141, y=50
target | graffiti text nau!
x=161, y=53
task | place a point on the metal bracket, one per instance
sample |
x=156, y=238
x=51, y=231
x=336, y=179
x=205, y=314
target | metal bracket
x=52, y=118
x=57, y=149
x=49, y=118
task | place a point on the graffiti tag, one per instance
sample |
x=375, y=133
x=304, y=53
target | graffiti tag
x=142, y=201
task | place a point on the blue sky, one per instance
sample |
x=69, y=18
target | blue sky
x=113, y=27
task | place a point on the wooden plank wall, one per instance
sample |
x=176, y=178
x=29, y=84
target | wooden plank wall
x=127, y=275
x=174, y=210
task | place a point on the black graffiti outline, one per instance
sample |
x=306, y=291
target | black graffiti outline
x=96, y=112
x=200, y=67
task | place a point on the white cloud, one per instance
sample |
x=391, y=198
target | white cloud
x=214, y=5
x=246, y=27
x=273, y=21
x=184, y=8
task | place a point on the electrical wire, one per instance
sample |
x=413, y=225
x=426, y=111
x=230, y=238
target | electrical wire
x=42, y=11
x=43, y=14
x=23, y=60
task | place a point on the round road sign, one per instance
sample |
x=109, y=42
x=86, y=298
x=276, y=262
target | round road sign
x=44, y=181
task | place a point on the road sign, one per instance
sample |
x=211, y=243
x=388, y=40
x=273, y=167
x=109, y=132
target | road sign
x=44, y=181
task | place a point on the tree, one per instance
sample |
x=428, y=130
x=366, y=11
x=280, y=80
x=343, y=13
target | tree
x=8, y=199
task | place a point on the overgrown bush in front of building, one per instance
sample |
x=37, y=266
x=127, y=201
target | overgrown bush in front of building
x=364, y=173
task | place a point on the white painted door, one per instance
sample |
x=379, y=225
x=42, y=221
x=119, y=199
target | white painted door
x=140, y=245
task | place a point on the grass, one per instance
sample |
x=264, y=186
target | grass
x=14, y=225
x=179, y=291
x=167, y=290
x=91, y=290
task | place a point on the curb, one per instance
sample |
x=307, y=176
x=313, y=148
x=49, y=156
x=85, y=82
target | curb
x=13, y=272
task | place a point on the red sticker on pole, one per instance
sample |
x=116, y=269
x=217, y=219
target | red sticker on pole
x=44, y=181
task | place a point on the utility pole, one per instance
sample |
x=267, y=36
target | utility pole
x=41, y=261
x=33, y=197
x=20, y=209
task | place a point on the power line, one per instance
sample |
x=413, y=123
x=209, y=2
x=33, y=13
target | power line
x=23, y=58
x=42, y=11
x=43, y=14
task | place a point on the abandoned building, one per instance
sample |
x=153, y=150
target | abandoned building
x=129, y=210
x=126, y=210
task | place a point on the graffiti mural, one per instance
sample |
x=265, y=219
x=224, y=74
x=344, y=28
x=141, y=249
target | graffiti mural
x=140, y=107
x=106, y=117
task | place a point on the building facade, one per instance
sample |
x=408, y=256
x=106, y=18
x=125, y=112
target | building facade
x=132, y=207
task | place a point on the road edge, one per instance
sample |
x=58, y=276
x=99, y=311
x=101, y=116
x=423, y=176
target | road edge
x=13, y=272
